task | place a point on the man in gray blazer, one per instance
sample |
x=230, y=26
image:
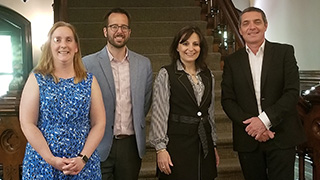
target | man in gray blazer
x=125, y=78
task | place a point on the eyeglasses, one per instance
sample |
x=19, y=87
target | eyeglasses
x=115, y=27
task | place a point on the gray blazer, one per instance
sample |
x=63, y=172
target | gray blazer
x=141, y=92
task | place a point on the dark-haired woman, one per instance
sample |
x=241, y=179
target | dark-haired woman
x=183, y=130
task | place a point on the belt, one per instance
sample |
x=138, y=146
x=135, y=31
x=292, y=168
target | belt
x=121, y=136
x=187, y=119
x=201, y=130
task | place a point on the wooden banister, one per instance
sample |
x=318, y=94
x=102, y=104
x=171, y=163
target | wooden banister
x=222, y=18
x=220, y=14
x=232, y=16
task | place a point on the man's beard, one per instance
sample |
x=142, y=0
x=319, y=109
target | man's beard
x=116, y=45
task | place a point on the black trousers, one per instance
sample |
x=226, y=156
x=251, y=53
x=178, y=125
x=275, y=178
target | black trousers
x=123, y=162
x=268, y=162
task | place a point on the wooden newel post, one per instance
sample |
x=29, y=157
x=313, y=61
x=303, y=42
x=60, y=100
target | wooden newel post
x=12, y=140
x=311, y=123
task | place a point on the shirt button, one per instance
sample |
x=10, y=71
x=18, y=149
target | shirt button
x=199, y=113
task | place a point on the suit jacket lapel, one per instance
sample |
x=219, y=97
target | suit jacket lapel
x=246, y=68
x=107, y=70
x=134, y=69
x=183, y=79
x=206, y=81
x=266, y=63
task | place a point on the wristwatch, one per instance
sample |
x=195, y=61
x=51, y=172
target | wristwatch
x=84, y=158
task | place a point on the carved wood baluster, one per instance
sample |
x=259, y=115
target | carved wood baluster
x=216, y=14
x=12, y=146
x=311, y=124
x=204, y=9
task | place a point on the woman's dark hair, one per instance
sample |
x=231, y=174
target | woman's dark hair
x=183, y=35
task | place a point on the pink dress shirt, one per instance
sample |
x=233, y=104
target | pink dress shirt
x=123, y=124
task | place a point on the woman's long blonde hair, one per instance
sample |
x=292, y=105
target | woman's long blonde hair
x=45, y=65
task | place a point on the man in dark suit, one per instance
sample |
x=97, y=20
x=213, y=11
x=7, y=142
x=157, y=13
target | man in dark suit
x=260, y=90
x=125, y=78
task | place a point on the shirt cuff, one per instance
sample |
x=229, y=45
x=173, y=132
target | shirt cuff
x=265, y=120
x=160, y=146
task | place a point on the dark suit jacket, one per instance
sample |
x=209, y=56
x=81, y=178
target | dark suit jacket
x=141, y=91
x=279, y=95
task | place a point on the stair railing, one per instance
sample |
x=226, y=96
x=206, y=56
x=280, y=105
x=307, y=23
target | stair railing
x=221, y=15
x=222, y=18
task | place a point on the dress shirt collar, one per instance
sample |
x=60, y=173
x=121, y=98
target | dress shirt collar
x=181, y=68
x=126, y=57
x=261, y=48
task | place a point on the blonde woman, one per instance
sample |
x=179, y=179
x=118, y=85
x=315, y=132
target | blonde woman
x=61, y=112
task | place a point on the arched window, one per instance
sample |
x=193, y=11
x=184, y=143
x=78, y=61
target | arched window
x=15, y=50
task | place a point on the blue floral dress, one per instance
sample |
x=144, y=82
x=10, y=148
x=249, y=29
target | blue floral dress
x=65, y=124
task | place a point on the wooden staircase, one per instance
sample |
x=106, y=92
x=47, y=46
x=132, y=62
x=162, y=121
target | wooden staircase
x=154, y=23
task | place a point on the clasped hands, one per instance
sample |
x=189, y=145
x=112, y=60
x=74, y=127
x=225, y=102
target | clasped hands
x=257, y=129
x=69, y=166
